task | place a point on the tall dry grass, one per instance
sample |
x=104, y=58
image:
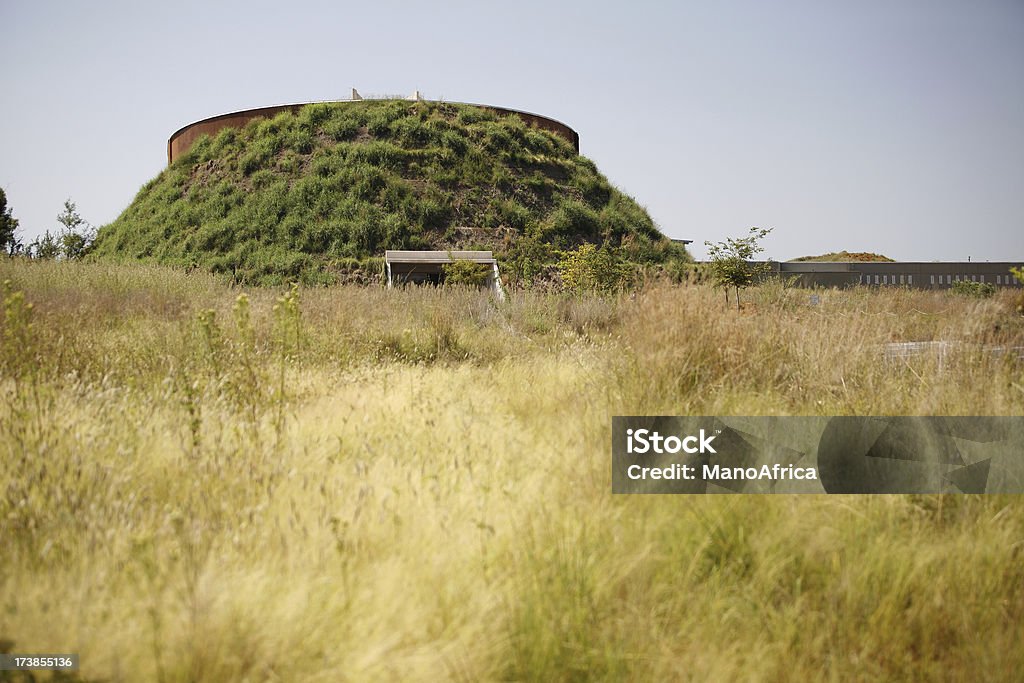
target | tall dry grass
x=414, y=485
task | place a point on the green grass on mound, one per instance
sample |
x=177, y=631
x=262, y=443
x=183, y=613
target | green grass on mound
x=314, y=194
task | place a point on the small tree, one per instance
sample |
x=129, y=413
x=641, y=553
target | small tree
x=525, y=260
x=731, y=261
x=77, y=235
x=9, y=241
x=45, y=246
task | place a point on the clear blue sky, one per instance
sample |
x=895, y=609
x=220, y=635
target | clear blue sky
x=895, y=127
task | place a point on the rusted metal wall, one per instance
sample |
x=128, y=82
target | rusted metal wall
x=183, y=139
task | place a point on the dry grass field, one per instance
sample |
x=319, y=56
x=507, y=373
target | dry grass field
x=202, y=483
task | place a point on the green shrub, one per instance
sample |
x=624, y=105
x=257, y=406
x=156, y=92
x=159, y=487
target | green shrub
x=525, y=260
x=314, y=115
x=413, y=133
x=981, y=290
x=341, y=129
x=463, y=272
x=324, y=164
x=259, y=154
x=469, y=116
x=262, y=179
x=572, y=219
x=382, y=117
x=589, y=269
x=300, y=140
x=225, y=139
x=507, y=213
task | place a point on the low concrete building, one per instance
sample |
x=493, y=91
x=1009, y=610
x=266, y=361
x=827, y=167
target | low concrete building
x=920, y=275
x=428, y=267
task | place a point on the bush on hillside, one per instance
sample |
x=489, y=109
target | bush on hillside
x=469, y=273
x=590, y=269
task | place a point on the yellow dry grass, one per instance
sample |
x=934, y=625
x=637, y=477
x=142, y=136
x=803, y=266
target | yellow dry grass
x=415, y=486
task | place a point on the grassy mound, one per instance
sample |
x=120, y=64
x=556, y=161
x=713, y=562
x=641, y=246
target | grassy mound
x=318, y=193
x=834, y=256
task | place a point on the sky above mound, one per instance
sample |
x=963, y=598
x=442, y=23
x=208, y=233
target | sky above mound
x=893, y=128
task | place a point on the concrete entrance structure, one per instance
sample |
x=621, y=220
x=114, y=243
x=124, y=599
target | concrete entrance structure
x=427, y=267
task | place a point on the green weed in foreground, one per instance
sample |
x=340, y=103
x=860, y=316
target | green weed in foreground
x=211, y=484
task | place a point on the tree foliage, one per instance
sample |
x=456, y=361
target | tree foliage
x=73, y=240
x=732, y=261
x=77, y=235
x=46, y=246
x=9, y=241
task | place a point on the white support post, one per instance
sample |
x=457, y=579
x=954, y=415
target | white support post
x=498, y=291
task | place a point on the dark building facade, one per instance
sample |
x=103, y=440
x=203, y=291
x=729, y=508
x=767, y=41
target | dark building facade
x=920, y=275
